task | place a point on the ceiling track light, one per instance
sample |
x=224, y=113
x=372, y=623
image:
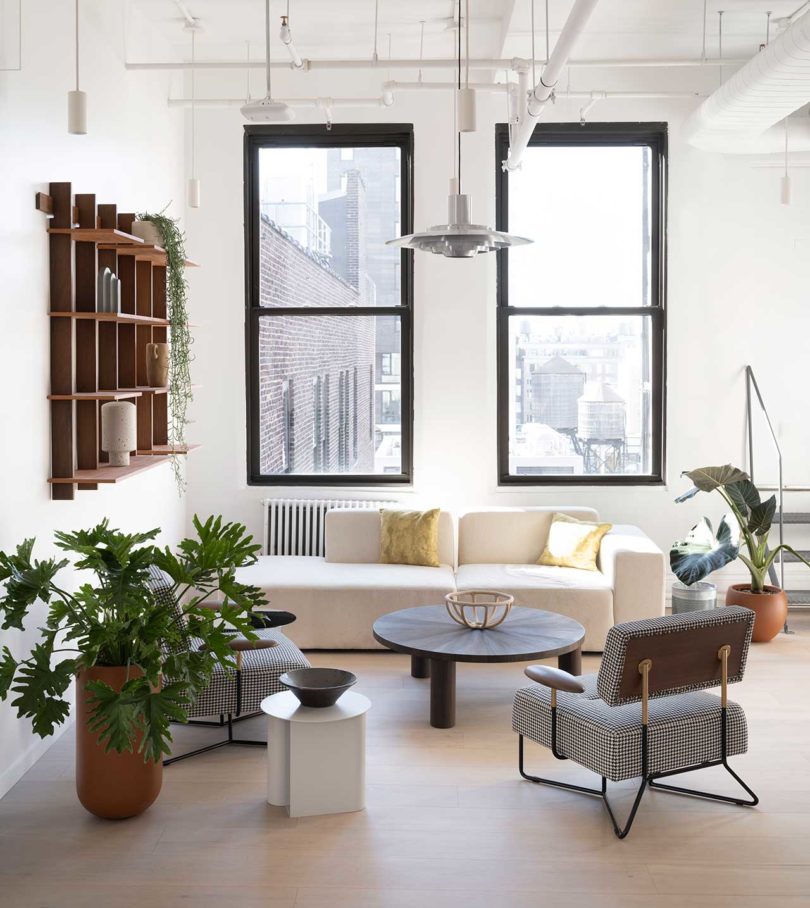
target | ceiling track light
x=77, y=100
x=267, y=110
x=459, y=238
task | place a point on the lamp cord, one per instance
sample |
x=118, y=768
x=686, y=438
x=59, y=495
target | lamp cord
x=548, y=53
x=267, y=44
x=458, y=131
x=194, y=105
x=77, y=45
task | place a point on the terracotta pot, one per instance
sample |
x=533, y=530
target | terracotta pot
x=770, y=608
x=157, y=365
x=110, y=785
x=146, y=231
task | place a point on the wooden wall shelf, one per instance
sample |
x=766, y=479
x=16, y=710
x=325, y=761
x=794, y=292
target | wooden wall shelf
x=101, y=356
x=121, y=318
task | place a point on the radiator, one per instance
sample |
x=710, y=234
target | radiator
x=297, y=526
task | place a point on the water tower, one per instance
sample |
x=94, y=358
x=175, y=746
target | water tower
x=556, y=387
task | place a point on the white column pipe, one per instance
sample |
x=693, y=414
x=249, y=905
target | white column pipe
x=539, y=95
x=513, y=63
x=292, y=102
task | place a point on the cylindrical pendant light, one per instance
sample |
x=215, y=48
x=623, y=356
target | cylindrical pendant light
x=193, y=183
x=77, y=100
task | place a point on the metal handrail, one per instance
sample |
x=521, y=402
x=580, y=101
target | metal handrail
x=751, y=383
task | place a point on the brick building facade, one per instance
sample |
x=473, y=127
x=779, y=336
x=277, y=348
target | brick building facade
x=316, y=374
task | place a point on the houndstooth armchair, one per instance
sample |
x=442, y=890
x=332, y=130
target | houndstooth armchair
x=667, y=664
x=235, y=695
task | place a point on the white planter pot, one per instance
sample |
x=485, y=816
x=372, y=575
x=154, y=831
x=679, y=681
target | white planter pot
x=118, y=431
x=146, y=231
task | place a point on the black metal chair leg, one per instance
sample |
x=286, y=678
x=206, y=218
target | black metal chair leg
x=620, y=831
x=229, y=740
x=694, y=793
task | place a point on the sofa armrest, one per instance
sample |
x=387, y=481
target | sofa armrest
x=636, y=570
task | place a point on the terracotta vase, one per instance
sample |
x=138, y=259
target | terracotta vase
x=146, y=231
x=770, y=608
x=157, y=365
x=110, y=785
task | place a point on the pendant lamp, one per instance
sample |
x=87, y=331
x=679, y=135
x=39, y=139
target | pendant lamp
x=77, y=100
x=459, y=238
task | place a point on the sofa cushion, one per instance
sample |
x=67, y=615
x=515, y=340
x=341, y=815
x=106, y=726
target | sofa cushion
x=585, y=596
x=336, y=604
x=509, y=535
x=353, y=537
x=573, y=543
x=409, y=537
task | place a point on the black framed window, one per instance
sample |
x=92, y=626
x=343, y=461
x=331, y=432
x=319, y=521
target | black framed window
x=580, y=316
x=327, y=302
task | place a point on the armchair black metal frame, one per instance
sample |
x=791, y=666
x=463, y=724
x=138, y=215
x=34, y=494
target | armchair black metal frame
x=674, y=677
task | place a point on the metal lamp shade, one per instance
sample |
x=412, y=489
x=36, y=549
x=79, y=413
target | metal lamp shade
x=459, y=238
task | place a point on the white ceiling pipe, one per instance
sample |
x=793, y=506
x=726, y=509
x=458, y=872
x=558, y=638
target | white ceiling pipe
x=772, y=141
x=185, y=13
x=770, y=87
x=507, y=86
x=538, y=97
x=513, y=63
x=291, y=102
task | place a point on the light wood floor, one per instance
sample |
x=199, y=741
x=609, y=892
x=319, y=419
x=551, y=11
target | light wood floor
x=449, y=821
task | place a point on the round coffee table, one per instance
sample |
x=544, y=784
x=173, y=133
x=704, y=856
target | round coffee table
x=435, y=643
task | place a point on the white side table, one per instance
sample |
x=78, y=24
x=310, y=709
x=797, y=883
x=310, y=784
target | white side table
x=316, y=758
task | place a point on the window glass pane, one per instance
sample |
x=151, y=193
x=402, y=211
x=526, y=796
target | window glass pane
x=325, y=216
x=323, y=404
x=579, y=395
x=588, y=210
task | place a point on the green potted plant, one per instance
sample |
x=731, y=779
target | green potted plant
x=161, y=230
x=127, y=649
x=754, y=517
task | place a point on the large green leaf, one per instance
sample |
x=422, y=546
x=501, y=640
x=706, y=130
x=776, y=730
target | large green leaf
x=707, y=479
x=703, y=552
x=761, y=517
x=8, y=665
x=39, y=687
x=744, y=494
x=156, y=710
x=114, y=714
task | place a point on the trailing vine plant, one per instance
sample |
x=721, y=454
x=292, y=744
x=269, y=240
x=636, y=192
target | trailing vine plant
x=180, y=355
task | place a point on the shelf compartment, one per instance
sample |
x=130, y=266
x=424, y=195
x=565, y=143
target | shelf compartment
x=105, y=474
x=118, y=394
x=120, y=318
x=108, y=235
x=168, y=450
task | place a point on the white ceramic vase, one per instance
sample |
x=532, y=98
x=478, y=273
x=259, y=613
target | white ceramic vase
x=118, y=431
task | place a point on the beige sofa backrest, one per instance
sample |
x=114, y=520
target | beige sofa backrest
x=353, y=536
x=509, y=535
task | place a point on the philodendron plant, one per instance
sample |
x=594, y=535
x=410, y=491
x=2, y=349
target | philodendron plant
x=703, y=551
x=117, y=621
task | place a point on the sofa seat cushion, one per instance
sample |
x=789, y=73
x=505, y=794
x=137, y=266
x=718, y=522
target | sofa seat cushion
x=585, y=596
x=335, y=604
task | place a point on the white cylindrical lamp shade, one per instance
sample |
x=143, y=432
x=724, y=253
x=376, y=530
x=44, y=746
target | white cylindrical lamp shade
x=193, y=193
x=118, y=431
x=466, y=110
x=77, y=113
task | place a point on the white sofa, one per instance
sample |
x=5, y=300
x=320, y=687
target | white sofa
x=337, y=598
x=499, y=549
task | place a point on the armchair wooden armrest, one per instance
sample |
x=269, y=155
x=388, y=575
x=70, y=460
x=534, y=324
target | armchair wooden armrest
x=555, y=678
x=242, y=645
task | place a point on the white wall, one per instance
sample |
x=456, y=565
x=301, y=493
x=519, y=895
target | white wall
x=738, y=279
x=131, y=156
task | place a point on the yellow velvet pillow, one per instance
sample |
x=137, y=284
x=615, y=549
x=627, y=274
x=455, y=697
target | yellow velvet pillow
x=409, y=537
x=573, y=543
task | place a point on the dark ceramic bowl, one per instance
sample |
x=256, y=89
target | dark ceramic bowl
x=318, y=687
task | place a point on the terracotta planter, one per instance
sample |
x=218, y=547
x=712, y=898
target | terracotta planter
x=770, y=608
x=110, y=785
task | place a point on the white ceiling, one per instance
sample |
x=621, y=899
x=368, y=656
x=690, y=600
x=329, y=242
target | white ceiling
x=328, y=28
